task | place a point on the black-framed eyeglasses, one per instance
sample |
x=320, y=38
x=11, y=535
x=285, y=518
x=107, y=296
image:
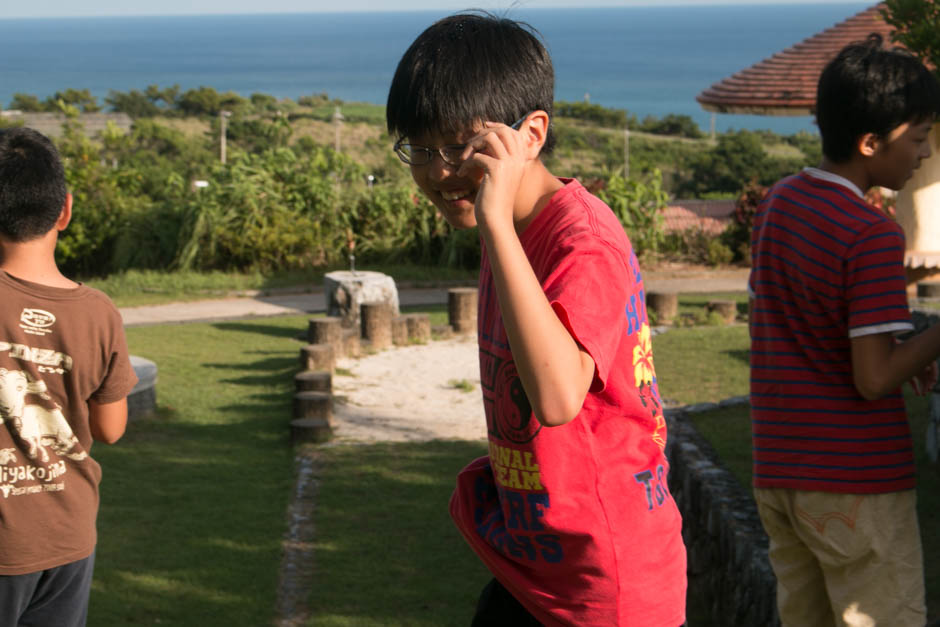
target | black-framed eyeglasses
x=413, y=154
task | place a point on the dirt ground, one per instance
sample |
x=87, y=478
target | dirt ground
x=411, y=393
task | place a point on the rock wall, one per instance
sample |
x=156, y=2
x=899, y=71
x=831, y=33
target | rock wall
x=727, y=547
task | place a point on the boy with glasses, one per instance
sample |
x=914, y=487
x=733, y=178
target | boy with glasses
x=570, y=511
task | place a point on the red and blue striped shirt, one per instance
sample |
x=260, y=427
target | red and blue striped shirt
x=826, y=267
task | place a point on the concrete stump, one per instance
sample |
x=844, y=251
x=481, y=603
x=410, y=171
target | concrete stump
x=313, y=381
x=317, y=357
x=328, y=330
x=346, y=291
x=664, y=304
x=142, y=400
x=928, y=289
x=313, y=405
x=351, y=345
x=376, y=319
x=727, y=309
x=400, y=331
x=419, y=327
x=309, y=430
x=462, y=309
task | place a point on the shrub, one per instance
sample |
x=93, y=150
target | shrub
x=638, y=205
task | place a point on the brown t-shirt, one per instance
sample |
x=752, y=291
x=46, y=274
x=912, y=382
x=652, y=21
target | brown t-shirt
x=58, y=349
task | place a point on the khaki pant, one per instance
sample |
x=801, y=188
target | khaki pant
x=845, y=559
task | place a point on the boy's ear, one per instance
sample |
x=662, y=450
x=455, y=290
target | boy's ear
x=536, y=130
x=868, y=144
x=66, y=215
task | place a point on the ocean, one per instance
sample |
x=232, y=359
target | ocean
x=650, y=60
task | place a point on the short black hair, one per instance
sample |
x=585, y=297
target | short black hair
x=32, y=184
x=470, y=68
x=867, y=88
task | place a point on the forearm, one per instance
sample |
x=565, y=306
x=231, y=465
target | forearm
x=880, y=365
x=555, y=372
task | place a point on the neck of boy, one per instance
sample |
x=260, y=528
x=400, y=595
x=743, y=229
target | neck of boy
x=537, y=189
x=34, y=261
x=853, y=170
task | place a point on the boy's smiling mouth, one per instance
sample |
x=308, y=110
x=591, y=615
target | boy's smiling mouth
x=454, y=195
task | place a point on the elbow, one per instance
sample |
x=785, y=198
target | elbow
x=873, y=388
x=559, y=413
x=109, y=436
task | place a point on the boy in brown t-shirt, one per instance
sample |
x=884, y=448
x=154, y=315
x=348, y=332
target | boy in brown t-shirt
x=65, y=374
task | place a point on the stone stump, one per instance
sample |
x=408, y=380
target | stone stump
x=400, y=331
x=727, y=309
x=327, y=330
x=462, y=309
x=376, y=320
x=317, y=357
x=313, y=381
x=664, y=304
x=351, y=345
x=142, y=400
x=309, y=430
x=419, y=327
x=313, y=413
x=346, y=291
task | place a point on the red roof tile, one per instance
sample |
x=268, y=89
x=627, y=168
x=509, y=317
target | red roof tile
x=785, y=84
x=709, y=216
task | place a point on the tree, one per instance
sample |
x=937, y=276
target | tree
x=201, y=101
x=79, y=98
x=27, y=102
x=917, y=24
x=134, y=103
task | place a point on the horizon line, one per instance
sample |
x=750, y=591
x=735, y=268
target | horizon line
x=641, y=4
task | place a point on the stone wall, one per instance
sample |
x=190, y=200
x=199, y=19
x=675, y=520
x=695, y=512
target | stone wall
x=727, y=548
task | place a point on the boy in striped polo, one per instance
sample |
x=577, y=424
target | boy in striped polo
x=833, y=459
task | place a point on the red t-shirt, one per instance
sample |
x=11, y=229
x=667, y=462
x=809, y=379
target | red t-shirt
x=577, y=521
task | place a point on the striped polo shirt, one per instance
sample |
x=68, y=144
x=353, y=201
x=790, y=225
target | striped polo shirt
x=826, y=267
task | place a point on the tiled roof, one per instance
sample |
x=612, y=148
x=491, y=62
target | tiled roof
x=785, y=84
x=709, y=216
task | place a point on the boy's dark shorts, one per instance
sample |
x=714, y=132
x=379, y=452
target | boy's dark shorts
x=57, y=596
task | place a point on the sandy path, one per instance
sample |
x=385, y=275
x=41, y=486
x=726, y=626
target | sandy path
x=407, y=394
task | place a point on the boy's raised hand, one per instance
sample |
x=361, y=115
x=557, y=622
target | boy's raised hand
x=496, y=159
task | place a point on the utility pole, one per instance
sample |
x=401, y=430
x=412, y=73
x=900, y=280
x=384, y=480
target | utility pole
x=338, y=126
x=223, y=116
x=626, y=152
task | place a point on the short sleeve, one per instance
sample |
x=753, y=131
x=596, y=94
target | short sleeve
x=592, y=291
x=120, y=378
x=875, y=284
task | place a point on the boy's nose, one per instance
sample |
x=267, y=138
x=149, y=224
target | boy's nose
x=438, y=169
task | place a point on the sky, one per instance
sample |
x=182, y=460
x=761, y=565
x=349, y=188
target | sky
x=88, y=8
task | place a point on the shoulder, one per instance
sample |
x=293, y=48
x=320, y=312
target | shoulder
x=98, y=305
x=577, y=218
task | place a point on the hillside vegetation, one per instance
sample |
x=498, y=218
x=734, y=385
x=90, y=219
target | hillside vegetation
x=302, y=185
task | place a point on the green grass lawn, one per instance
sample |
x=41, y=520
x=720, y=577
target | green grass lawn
x=194, y=500
x=387, y=553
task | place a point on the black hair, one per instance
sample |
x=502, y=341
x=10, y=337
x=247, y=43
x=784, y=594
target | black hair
x=32, y=184
x=867, y=88
x=470, y=68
